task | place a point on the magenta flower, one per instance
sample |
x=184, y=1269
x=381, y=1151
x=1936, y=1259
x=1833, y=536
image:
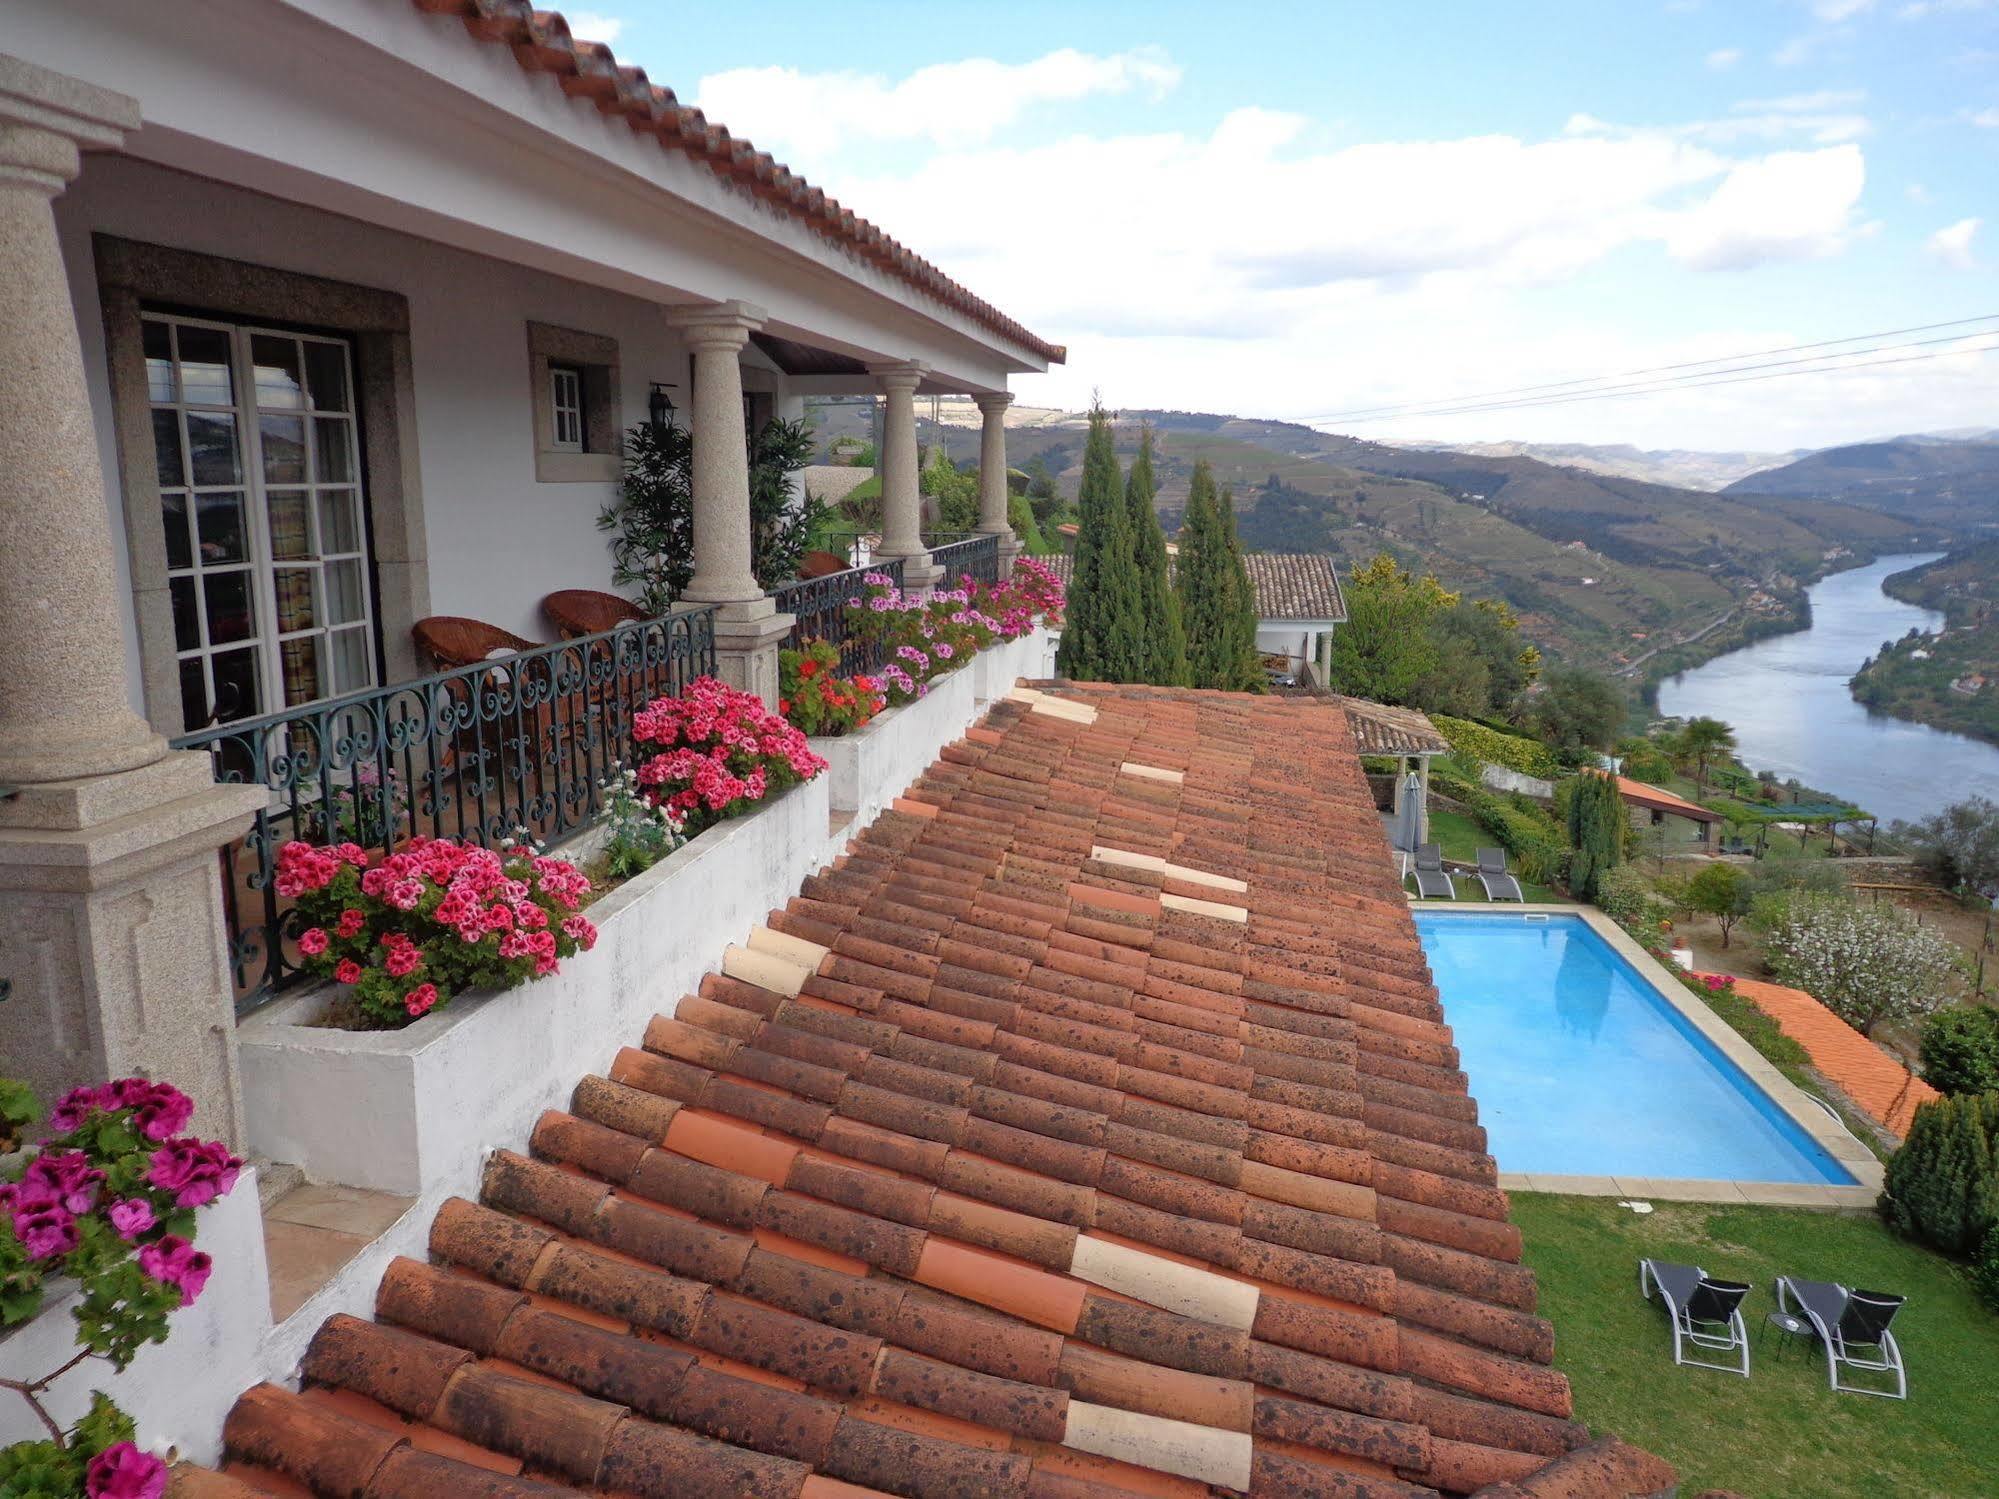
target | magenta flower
x=122, y=1471
x=195, y=1171
x=172, y=1261
x=65, y=1178
x=46, y=1230
x=160, y=1110
x=312, y=941
x=131, y=1217
x=76, y=1105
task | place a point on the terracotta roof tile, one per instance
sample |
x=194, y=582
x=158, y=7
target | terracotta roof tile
x=1035, y=1189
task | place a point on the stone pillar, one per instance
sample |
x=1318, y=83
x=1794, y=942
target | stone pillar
x=748, y=628
x=111, y=933
x=992, y=476
x=902, y=504
x=1423, y=784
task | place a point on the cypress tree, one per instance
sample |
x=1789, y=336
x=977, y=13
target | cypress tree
x=1942, y=1186
x=1596, y=832
x=1103, y=639
x=1216, y=600
x=1164, y=642
x=1245, y=661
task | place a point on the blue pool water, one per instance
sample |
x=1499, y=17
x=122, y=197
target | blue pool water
x=1581, y=1067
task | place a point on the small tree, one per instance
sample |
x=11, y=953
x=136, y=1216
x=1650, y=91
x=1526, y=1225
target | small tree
x=1721, y=891
x=1577, y=710
x=1165, y=644
x=1942, y=1186
x=1596, y=832
x=1959, y=845
x=1700, y=744
x=1864, y=963
x=1214, y=592
x=1102, y=640
x=955, y=492
x=1385, y=650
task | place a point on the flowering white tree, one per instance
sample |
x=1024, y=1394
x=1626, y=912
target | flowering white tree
x=1864, y=963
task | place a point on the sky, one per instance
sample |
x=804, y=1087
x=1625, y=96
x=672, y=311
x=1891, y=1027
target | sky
x=1331, y=212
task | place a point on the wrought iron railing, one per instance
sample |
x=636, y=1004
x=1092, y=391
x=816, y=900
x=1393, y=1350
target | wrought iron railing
x=962, y=552
x=521, y=741
x=818, y=607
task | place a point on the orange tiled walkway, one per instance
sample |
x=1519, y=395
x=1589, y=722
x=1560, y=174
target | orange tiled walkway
x=1873, y=1079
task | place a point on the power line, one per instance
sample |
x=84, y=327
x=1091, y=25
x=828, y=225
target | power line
x=1418, y=407
x=1730, y=379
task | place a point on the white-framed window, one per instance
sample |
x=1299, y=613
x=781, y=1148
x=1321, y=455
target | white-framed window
x=565, y=400
x=259, y=464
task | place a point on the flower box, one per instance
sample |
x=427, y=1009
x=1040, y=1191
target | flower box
x=869, y=768
x=402, y=1111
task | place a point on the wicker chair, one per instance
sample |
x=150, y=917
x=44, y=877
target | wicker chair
x=451, y=641
x=821, y=564
x=585, y=611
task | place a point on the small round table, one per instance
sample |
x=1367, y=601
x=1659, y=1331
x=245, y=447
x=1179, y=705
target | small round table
x=1790, y=1326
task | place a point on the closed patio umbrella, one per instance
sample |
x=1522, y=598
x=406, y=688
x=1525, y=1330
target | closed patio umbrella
x=1409, y=817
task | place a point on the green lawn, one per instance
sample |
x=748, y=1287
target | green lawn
x=1460, y=837
x=1780, y=1434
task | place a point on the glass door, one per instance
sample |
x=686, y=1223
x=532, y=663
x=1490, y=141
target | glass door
x=259, y=464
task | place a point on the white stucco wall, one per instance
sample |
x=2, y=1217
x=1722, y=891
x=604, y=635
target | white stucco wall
x=1290, y=640
x=498, y=539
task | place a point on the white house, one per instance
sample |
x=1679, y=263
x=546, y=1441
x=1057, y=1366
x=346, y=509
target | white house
x=322, y=318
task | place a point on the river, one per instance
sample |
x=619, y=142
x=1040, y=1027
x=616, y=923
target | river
x=1787, y=699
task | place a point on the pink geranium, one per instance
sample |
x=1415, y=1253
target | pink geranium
x=131, y=1217
x=122, y=1471
x=420, y=1000
x=195, y=1171
x=173, y=1261
x=46, y=1230
x=65, y=1179
x=313, y=941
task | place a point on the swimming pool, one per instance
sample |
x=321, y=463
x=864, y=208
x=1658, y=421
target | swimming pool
x=1582, y=1067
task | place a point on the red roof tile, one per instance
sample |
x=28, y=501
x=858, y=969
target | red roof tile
x=541, y=43
x=1030, y=1185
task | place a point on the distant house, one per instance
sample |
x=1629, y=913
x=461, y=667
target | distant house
x=1969, y=685
x=1298, y=602
x=1654, y=807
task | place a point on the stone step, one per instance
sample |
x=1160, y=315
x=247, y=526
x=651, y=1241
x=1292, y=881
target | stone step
x=274, y=1179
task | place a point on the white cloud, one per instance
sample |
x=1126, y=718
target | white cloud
x=1724, y=58
x=1827, y=118
x=1790, y=205
x=1915, y=10
x=1813, y=103
x=1987, y=119
x=1917, y=193
x=1840, y=10
x=954, y=104
x=590, y=26
x=1951, y=245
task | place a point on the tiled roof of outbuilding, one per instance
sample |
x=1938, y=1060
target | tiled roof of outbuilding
x=1288, y=585
x=541, y=43
x=1382, y=729
x=1089, y=1129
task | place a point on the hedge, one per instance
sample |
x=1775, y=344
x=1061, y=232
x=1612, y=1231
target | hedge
x=1529, y=757
x=1516, y=824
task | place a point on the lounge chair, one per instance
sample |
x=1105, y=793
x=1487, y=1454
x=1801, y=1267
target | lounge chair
x=1853, y=1327
x=1499, y=885
x=1432, y=882
x=1707, y=1314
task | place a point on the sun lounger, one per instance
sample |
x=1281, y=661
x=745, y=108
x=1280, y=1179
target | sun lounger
x=1707, y=1315
x=1852, y=1326
x=1499, y=885
x=1432, y=881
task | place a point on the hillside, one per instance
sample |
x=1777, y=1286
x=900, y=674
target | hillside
x=1948, y=679
x=1603, y=569
x=1682, y=468
x=1939, y=481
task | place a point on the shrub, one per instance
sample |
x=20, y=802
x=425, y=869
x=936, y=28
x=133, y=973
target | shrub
x=1623, y=895
x=1961, y=1050
x=1518, y=824
x=1985, y=1270
x=816, y=699
x=109, y=1201
x=414, y=928
x=1864, y=963
x=1491, y=747
x=1942, y=1186
x=1720, y=891
x=638, y=834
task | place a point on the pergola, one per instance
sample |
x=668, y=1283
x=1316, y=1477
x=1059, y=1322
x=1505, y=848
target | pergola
x=1400, y=734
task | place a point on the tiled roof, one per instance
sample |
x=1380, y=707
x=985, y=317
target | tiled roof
x=1088, y=1129
x=1289, y=585
x=541, y=43
x=1295, y=585
x=1639, y=794
x=1379, y=729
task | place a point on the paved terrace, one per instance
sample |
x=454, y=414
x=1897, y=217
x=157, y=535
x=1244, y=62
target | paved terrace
x=1090, y=1128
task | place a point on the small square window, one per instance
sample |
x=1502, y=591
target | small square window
x=565, y=395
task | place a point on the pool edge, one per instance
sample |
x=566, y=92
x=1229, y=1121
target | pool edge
x=1853, y=1157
